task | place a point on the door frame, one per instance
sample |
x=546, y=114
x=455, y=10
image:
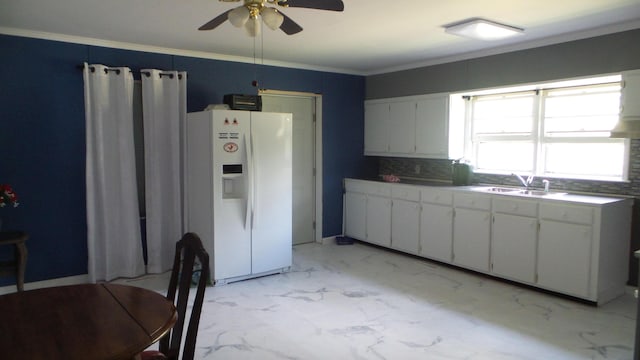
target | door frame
x=318, y=151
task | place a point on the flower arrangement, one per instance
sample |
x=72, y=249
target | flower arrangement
x=7, y=196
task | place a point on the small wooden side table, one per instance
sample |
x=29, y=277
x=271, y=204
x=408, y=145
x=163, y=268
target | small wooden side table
x=19, y=263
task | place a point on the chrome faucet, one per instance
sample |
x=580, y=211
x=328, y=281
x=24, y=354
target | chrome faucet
x=546, y=185
x=525, y=183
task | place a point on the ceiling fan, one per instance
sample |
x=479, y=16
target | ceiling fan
x=248, y=15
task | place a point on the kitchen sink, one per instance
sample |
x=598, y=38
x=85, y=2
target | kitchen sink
x=539, y=193
x=499, y=189
x=516, y=191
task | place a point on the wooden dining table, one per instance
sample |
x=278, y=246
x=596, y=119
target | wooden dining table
x=88, y=322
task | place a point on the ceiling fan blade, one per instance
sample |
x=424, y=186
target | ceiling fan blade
x=333, y=5
x=215, y=22
x=289, y=26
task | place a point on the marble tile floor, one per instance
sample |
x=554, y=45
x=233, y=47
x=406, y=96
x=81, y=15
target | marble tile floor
x=360, y=302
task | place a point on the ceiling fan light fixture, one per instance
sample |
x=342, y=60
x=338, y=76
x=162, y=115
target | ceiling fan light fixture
x=253, y=27
x=482, y=29
x=238, y=17
x=272, y=18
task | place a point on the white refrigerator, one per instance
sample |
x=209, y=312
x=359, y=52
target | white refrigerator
x=238, y=188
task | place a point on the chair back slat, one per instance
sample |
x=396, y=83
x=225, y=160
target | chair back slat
x=188, y=249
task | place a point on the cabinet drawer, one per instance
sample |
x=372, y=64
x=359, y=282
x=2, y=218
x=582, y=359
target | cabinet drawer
x=515, y=207
x=405, y=192
x=378, y=189
x=436, y=196
x=359, y=186
x=368, y=187
x=472, y=201
x=567, y=213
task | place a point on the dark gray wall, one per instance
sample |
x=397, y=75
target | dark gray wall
x=599, y=55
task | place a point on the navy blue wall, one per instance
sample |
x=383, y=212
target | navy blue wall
x=42, y=135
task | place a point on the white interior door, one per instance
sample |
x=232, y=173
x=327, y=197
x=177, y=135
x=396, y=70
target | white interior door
x=304, y=190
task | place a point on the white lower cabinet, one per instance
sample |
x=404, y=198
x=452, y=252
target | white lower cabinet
x=472, y=231
x=355, y=211
x=436, y=224
x=577, y=246
x=379, y=220
x=514, y=235
x=405, y=218
x=513, y=247
x=565, y=249
x=367, y=211
x=564, y=257
x=405, y=226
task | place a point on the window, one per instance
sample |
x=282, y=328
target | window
x=557, y=131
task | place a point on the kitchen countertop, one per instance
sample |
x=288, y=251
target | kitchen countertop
x=593, y=199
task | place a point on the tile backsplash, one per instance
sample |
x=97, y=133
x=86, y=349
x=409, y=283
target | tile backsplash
x=436, y=169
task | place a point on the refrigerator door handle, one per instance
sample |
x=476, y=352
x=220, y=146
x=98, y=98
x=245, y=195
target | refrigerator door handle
x=248, y=199
x=254, y=183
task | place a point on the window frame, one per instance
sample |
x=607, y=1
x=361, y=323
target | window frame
x=537, y=136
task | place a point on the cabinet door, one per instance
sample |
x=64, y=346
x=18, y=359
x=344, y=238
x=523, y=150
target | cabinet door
x=513, y=247
x=630, y=93
x=376, y=128
x=402, y=120
x=355, y=212
x=432, y=127
x=564, y=257
x=379, y=220
x=405, y=226
x=436, y=232
x=471, y=231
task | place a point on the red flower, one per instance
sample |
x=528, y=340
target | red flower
x=8, y=196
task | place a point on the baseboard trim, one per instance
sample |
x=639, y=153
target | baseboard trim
x=328, y=240
x=69, y=280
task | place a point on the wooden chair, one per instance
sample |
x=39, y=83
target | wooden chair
x=19, y=263
x=187, y=250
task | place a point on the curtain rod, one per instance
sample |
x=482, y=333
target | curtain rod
x=117, y=71
x=106, y=70
x=170, y=75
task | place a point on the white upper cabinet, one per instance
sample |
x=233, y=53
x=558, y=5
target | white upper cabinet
x=630, y=106
x=402, y=137
x=432, y=127
x=416, y=126
x=376, y=128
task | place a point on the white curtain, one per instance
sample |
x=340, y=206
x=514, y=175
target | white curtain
x=113, y=226
x=164, y=108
